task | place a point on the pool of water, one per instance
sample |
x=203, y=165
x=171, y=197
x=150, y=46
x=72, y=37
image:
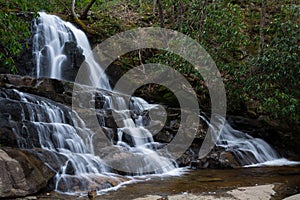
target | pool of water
x=285, y=179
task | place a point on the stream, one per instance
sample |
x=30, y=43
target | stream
x=206, y=182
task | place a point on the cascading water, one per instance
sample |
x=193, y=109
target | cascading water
x=141, y=143
x=249, y=151
x=57, y=130
x=50, y=49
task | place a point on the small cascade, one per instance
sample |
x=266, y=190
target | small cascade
x=59, y=48
x=56, y=128
x=249, y=151
x=138, y=141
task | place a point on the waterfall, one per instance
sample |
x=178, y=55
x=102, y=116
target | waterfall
x=247, y=150
x=56, y=47
x=62, y=131
x=58, y=130
x=51, y=35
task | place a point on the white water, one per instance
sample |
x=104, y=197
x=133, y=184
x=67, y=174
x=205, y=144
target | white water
x=249, y=151
x=142, y=140
x=51, y=35
x=56, y=135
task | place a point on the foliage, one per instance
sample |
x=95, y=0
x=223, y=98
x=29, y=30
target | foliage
x=15, y=17
x=275, y=84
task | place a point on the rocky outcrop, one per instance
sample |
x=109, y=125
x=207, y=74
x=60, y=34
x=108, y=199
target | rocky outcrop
x=74, y=60
x=59, y=91
x=26, y=172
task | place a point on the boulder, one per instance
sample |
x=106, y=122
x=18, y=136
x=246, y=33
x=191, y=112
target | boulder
x=25, y=172
x=218, y=158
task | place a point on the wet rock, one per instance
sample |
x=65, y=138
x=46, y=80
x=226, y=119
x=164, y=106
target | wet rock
x=218, y=158
x=59, y=91
x=187, y=159
x=74, y=60
x=164, y=136
x=18, y=118
x=88, y=184
x=120, y=160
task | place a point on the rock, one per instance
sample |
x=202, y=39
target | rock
x=187, y=159
x=74, y=60
x=25, y=172
x=92, y=194
x=120, y=160
x=218, y=158
x=228, y=159
x=254, y=192
x=18, y=117
x=69, y=67
x=59, y=91
x=13, y=181
x=294, y=197
x=164, y=137
x=89, y=184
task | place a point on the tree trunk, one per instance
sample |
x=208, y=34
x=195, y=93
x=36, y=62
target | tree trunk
x=154, y=6
x=86, y=10
x=73, y=9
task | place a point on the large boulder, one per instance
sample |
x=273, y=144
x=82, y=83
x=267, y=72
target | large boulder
x=25, y=172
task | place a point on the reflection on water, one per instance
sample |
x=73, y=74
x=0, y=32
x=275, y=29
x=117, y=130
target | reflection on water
x=285, y=179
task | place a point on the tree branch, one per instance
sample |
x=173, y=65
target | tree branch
x=78, y=21
x=86, y=10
